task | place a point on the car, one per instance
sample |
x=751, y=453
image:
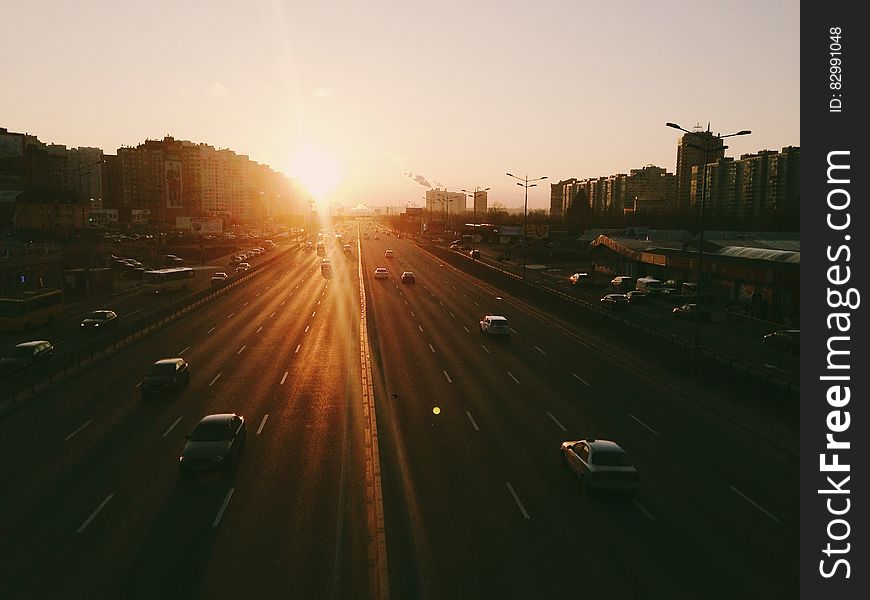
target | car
x=578, y=278
x=388, y=254
x=495, y=325
x=636, y=297
x=408, y=277
x=381, y=273
x=454, y=246
x=167, y=375
x=215, y=443
x=242, y=267
x=99, y=320
x=377, y=237
x=171, y=259
x=219, y=277
x=622, y=283
x=347, y=249
x=787, y=340
x=601, y=465
x=25, y=355
x=689, y=311
x=474, y=254
x=615, y=301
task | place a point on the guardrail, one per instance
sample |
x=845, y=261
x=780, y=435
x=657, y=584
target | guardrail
x=64, y=363
x=710, y=353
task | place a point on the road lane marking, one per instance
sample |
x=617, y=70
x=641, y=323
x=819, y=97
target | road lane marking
x=130, y=314
x=441, y=303
x=242, y=349
x=654, y=432
x=262, y=424
x=467, y=330
x=139, y=384
x=257, y=294
x=67, y=438
x=318, y=303
x=405, y=301
x=447, y=376
x=517, y=500
x=314, y=313
x=556, y=421
x=513, y=330
x=464, y=295
x=307, y=327
x=246, y=303
x=260, y=329
x=183, y=351
x=284, y=378
x=541, y=351
x=485, y=349
x=473, y=422
x=216, y=377
x=210, y=330
x=282, y=302
x=95, y=513
x=229, y=316
x=420, y=328
x=412, y=313
x=643, y=510
x=753, y=503
x=577, y=377
x=171, y=427
x=220, y=514
x=273, y=314
x=452, y=315
x=297, y=349
x=476, y=303
x=512, y=377
x=431, y=348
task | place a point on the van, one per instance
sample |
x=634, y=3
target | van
x=623, y=283
x=648, y=285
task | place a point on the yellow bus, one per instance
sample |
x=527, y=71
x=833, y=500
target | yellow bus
x=25, y=310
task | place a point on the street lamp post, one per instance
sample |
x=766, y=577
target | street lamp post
x=707, y=137
x=524, y=182
x=474, y=202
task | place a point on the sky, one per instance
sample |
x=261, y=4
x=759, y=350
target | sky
x=352, y=97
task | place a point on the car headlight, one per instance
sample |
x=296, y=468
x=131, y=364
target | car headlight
x=181, y=459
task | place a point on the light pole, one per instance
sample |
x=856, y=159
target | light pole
x=707, y=138
x=524, y=182
x=474, y=202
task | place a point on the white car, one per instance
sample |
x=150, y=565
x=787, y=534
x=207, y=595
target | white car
x=242, y=267
x=388, y=254
x=601, y=465
x=381, y=273
x=495, y=325
x=219, y=277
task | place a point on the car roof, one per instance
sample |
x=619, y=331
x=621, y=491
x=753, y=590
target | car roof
x=217, y=418
x=604, y=446
x=169, y=361
x=381, y=269
x=497, y=318
x=407, y=273
x=32, y=344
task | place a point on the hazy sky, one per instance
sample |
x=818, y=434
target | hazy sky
x=458, y=91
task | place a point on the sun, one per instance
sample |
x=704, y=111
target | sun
x=316, y=169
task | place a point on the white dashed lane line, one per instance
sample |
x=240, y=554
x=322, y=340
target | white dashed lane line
x=643, y=510
x=297, y=349
x=217, y=519
x=485, y=349
x=431, y=348
x=452, y=315
x=467, y=330
x=473, y=422
x=95, y=513
x=753, y=503
x=272, y=316
x=447, y=376
x=647, y=427
x=580, y=379
x=517, y=500
x=216, y=377
x=259, y=329
x=210, y=330
x=307, y=327
x=420, y=328
x=556, y=421
x=171, y=427
x=314, y=313
x=242, y=349
x=230, y=316
x=541, y=351
x=70, y=436
x=512, y=377
x=183, y=351
x=284, y=378
x=514, y=331
x=262, y=424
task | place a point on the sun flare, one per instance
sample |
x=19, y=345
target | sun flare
x=317, y=170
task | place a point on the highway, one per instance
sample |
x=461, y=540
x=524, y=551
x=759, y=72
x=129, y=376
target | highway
x=477, y=501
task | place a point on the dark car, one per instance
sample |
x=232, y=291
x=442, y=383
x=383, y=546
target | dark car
x=167, y=375
x=24, y=355
x=172, y=260
x=578, y=278
x=787, y=340
x=408, y=277
x=474, y=254
x=689, y=311
x=615, y=301
x=636, y=297
x=99, y=320
x=214, y=444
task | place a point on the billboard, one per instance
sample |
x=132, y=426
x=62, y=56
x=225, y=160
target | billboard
x=509, y=230
x=172, y=182
x=212, y=225
x=537, y=232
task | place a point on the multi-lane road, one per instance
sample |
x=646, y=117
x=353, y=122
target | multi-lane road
x=476, y=500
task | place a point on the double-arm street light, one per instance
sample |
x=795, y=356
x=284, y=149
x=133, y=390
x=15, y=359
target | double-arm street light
x=474, y=201
x=525, y=183
x=708, y=138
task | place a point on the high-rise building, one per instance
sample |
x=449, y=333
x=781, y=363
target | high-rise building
x=650, y=189
x=690, y=153
x=481, y=203
x=442, y=205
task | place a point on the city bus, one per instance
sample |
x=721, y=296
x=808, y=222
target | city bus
x=25, y=310
x=168, y=280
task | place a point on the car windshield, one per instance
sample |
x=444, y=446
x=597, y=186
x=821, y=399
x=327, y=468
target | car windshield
x=99, y=315
x=162, y=370
x=610, y=459
x=210, y=431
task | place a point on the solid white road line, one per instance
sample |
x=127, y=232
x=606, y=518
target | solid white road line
x=753, y=503
x=210, y=330
x=220, y=514
x=643, y=510
x=447, y=376
x=431, y=348
x=95, y=513
x=259, y=329
x=242, y=349
x=183, y=351
x=67, y=438
x=653, y=431
x=262, y=424
x=517, y=500
x=541, y=351
x=284, y=378
x=512, y=377
x=216, y=377
x=577, y=377
x=297, y=349
x=556, y=421
x=473, y=423
x=130, y=314
x=485, y=349
x=171, y=427
x=307, y=327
